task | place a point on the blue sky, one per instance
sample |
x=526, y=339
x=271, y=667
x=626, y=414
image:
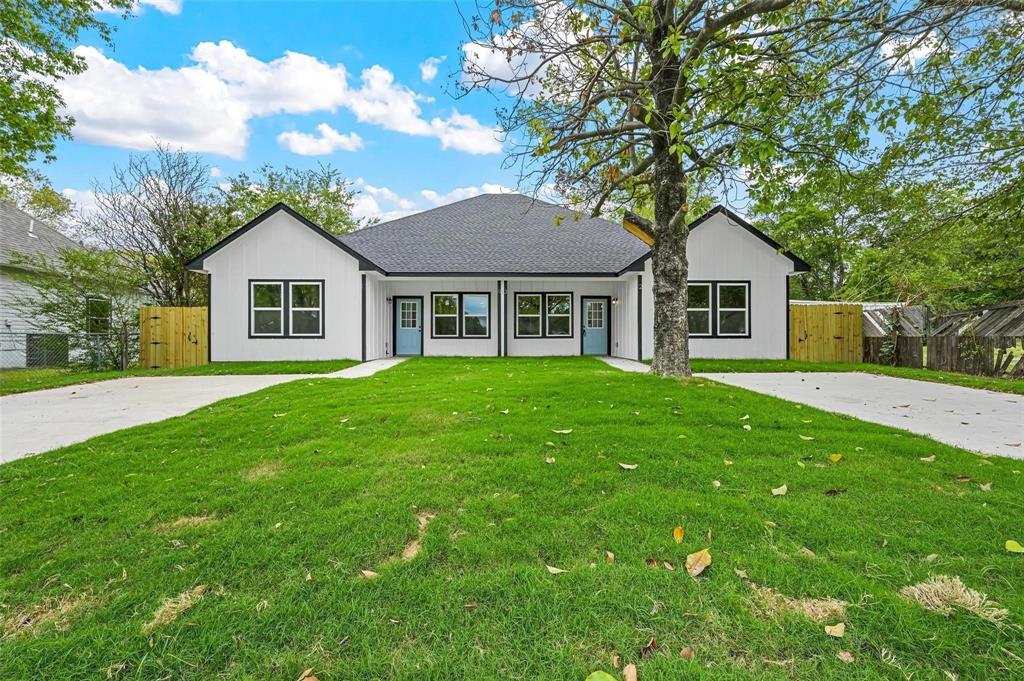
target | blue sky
x=288, y=83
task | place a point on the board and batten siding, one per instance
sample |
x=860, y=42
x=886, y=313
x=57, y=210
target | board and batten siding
x=281, y=248
x=445, y=347
x=719, y=250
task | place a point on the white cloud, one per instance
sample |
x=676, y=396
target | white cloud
x=461, y=193
x=328, y=141
x=428, y=68
x=907, y=53
x=386, y=204
x=216, y=172
x=165, y=6
x=207, y=106
x=83, y=201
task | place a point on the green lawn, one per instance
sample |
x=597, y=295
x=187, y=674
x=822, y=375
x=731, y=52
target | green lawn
x=24, y=380
x=267, y=507
x=1005, y=385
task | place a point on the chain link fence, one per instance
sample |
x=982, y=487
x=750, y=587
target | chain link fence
x=86, y=351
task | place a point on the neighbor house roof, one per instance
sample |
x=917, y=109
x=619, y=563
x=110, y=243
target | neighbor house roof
x=498, y=234
x=20, y=233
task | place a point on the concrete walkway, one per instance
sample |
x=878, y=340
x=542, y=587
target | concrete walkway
x=979, y=420
x=36, y=422
x=630, y=365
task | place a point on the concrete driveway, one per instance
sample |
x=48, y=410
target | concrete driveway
x=979, y=420
x=36, y=422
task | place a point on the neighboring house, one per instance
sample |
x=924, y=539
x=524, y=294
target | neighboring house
x=22, y=343
x=498, y=274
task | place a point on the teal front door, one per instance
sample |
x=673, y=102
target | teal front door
x=408, y=326
x=595, y=326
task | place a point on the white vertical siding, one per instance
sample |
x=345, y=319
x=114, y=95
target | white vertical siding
x=481, y=347
x=378, y=329
x=579, y=288
x=283, y=248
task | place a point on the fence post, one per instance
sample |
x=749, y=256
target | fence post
x=124, y=346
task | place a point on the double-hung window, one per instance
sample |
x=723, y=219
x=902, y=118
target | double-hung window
x=733, y=309
x=286, y=309
x=461, y=315
x=543, y=315
x=698, y=309
x=718, y=309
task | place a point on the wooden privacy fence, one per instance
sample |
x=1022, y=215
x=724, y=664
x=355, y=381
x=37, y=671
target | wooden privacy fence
x=826, y=332
x=173, y=337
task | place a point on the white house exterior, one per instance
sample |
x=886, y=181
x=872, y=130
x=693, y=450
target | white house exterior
x=495, y=275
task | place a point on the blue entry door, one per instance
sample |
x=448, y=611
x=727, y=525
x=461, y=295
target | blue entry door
x=408, y=326
x=595, y=326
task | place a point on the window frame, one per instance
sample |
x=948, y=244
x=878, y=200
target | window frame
x=546, y=312
x=460, y=315
x=719, y=309
x=286, y=309
x=292, y=309
x=89, y=318
x=543, y=314
x=710, y=309
x=716, y=309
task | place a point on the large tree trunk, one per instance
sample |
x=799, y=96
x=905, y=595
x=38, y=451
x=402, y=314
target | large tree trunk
x=671, y=332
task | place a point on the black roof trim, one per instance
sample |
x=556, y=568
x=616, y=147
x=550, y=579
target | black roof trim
x=799, y=263
x=197, y=262
x=488, y=275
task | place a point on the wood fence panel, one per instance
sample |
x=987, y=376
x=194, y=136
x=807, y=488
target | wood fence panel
x=173, y=337
x=826, y=332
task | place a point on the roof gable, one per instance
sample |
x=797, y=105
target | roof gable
x=198, y=262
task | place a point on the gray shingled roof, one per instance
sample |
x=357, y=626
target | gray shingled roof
x=15, y=235
x=497, y=234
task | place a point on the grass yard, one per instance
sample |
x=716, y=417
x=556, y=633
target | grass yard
x=231, y=543
x=24, y=380
x=1005, y=385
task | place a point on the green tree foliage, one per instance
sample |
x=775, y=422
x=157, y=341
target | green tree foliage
x=37, y=40
x=33, y=194
x=321, y=194
x=88, y=294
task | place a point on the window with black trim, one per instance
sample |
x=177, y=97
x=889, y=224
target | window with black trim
x=698, y=309
x=718, y=309
x=460, y=315
x=543, y=315
x=733, y=309
x=286, y=308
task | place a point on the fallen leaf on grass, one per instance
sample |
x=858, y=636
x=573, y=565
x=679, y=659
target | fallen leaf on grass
x=308, y=676
x=746, y=426
x=1014, y=546
x=678, y=534
x=835, y=458
x=669, y=566
x=744, y=417
x=727, y=462
x=716, y=483
x=629, y=673
x=652, y=563
x=600, y=676
x=369, y=574
x=549, y=444
x=845, y=656
x=549, y=459
x=647, y=652
x=986, y=487
x=697, y=562
x=686, y=653
x=807, y=552
x=553, y=570
x=609, y=556
x=277, y=416
x=928, y=459
x=806, y=437
x=505, y=412
x=780, y=491
x=742, y=574
x=837, y=630
x=835, y=491
x=963, y=478
x=628, y=466
x=563, y=432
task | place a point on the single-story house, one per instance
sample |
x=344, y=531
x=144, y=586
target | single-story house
x=497, y=274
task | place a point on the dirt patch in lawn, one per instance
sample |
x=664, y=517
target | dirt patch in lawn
x=943, y=594
x=411, y=549
x=57, y=611
x=171, y=608
x=185, y=521
x=820, y=610
x=270, y=469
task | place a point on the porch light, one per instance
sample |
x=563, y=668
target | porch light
x=615, y=300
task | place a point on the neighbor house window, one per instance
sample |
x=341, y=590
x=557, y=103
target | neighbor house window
x=474, y=314
x=733, y=309
x=558, y=308
x=544, y=315
x=306, y=303
x=267, y=316
x=698, y=309
x=528, y=314
x=97, y=314
x=446, y=315
x=286, y=309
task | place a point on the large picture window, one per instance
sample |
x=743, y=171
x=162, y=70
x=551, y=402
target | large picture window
x=461, y=315
x=543, y=315
x=718, y=309
x=286, y=309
